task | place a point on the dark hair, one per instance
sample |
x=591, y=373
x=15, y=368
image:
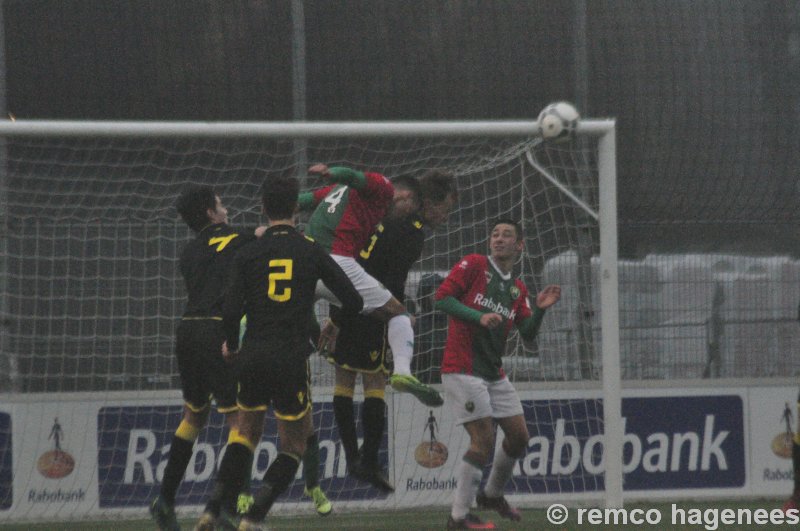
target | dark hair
x=436, y=185
x=279, y=196
x=513, y=223
x=407, y=182
x=193, y=205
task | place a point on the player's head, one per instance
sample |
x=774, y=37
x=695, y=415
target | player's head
x=406, y=196
x=279, y=197
x=200, y=207
x=505, y=239
x=438, y=194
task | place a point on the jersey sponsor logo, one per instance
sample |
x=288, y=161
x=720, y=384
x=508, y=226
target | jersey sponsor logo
x=490, y=304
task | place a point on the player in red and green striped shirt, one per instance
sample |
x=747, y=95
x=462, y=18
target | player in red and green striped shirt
x=345, y=216
x=484, y=301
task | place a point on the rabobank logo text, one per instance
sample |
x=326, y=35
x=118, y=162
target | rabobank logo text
x=668, y=442
x=134, y=444
x=497, y=307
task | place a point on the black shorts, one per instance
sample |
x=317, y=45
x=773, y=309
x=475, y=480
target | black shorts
x=268, y=374
x=362, y=346
x=204, y=373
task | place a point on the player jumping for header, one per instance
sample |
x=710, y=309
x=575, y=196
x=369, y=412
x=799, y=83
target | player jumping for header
x=345, y=216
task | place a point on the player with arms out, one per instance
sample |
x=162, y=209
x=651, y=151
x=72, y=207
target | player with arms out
x=483, y=301
x=361, y=346
x=204, y=265
x=345, y=216
x=273, y=281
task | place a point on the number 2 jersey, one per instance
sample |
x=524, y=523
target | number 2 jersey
x=476, y=283
x=273, y=280
x=345, y=216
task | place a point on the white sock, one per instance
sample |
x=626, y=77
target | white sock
x=502, y=468
x=401, y=339
x=469, y=479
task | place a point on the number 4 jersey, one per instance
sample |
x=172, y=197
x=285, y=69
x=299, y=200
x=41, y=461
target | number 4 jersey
x=345, y=216
x=477, y=284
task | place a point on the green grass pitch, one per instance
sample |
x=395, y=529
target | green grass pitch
x=435, y=519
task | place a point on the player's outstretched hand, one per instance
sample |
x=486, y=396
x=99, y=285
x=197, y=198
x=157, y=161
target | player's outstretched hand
x=491, y=320
x=228, y=355
x=327, y=336
x=548, y=296
x=320, y=169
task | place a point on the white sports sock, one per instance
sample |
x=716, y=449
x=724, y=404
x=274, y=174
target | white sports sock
x=469, y=479
x=401, y=339
x=502, y=468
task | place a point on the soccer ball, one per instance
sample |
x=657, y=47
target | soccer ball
x=558, y=121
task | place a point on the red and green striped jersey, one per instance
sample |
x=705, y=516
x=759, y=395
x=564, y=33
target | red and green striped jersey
x=345, y=217
x=478, y=284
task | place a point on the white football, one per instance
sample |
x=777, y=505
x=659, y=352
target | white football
x=558, y=121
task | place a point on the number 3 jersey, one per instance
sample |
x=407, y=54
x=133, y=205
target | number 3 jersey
x=346, y=217
x=478, y=284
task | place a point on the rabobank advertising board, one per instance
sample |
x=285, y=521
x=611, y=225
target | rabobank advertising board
x=133, y=445
x=679, y=440
x=669, y=442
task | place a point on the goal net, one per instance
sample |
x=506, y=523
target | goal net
x=91, y=295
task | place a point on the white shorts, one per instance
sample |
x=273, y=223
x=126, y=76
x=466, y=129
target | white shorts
x=373, y=292
x=473, y=398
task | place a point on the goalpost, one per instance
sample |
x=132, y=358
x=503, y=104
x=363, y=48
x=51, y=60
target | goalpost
x=91, y=294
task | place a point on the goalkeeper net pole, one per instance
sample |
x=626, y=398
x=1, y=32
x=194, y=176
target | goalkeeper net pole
x=91, y=294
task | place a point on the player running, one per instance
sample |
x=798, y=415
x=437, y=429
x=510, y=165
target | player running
x=361, y=344
x=204, y=264
x=274, y=280
x=344, y=218
x=483, y=301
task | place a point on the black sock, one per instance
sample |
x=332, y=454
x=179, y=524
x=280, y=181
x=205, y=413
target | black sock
x=277, y=479
x=180, y=453
x=311, y=462
x=373, y=418
x=230, y=479
x=346, y=422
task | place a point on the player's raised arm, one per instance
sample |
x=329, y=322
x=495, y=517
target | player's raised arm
x=530, y=324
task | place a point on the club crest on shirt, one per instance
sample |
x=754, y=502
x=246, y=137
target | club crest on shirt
x=514, y=291
x=463, y=264
x=300, y=396
x=488, y=276
x=373, y=355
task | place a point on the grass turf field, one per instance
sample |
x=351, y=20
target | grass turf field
x=435, y=519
